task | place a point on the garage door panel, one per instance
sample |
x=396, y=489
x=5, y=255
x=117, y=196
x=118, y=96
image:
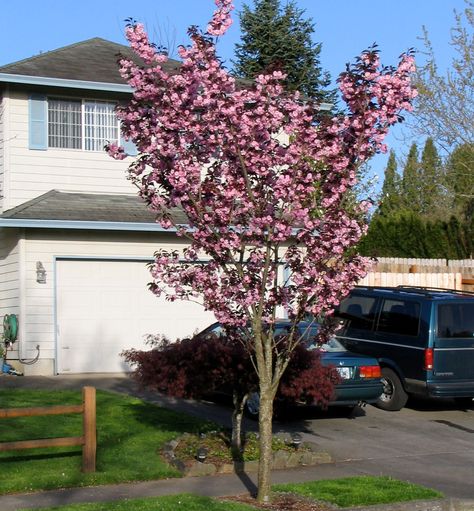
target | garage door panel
x=77, y=303
x=104, y=307
x=113, y=304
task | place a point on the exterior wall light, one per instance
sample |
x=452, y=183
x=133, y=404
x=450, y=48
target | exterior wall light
x=40, y=273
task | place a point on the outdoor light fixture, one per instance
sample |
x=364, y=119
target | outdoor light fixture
x=296, y=440
x=201, y=454
x=40, y=273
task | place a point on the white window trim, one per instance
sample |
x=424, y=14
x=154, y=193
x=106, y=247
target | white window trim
x=83, y=123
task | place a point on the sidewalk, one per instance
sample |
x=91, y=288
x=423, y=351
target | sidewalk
x=212, y=486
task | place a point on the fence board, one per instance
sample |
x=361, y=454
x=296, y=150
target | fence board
x=44, y=442
x=40, y=410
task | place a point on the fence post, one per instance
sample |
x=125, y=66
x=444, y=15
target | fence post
x=89, y=430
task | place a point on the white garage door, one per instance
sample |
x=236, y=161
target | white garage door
x=104, y=307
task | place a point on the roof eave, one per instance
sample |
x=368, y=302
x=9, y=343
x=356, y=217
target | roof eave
x=80, y=224
x=64, y=83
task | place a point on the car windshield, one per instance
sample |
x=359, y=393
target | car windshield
x=307, y=331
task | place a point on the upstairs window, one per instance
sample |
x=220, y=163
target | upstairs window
x=81, y=124
x=65, y=124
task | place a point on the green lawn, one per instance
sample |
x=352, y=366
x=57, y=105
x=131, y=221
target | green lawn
x=130, y=435
x=360, y=491
x=167, y=503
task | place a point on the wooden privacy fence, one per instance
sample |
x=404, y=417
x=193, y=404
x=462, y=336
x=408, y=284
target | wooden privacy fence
x=88, y=440
x=440, y=280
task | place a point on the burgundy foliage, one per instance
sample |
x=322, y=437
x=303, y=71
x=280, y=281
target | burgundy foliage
x=196, y=367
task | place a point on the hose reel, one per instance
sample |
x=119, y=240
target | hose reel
x=10, y=328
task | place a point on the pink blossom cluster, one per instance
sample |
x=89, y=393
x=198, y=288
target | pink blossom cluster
x=221, y=20
x=262, y=178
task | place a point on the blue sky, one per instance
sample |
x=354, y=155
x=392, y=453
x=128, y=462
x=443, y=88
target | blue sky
x=345, y=27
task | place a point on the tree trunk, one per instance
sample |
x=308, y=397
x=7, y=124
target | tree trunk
x=265, y=430
x=237, y=414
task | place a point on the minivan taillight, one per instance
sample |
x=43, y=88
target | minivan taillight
x=428, y=359
x=370, y=372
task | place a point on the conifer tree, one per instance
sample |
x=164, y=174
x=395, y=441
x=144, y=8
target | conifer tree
x=411, y=185
x=280, y=38
x=460, y=181
x=432, y=200
x=391, y=188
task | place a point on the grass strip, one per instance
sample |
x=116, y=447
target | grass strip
x=360, y=491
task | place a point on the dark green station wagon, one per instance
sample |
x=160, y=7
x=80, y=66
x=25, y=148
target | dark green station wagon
x=423, y=339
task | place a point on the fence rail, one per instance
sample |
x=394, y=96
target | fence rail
x=88, y=440
x=451, y=263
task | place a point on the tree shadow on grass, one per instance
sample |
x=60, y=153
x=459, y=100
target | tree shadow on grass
x=171, y=420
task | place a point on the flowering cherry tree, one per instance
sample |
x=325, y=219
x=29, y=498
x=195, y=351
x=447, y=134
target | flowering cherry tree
x=263, y=180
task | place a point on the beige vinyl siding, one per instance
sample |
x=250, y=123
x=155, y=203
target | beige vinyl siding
x=46, y=245
x=9, y=278
x=34, y=172
x=2, y=145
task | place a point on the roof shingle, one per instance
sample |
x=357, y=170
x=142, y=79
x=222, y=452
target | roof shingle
x=83, y=207
x=93, y=60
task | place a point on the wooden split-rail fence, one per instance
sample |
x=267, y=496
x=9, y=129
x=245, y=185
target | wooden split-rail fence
x=88, y=440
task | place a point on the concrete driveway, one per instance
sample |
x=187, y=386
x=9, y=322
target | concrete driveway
x=428, y=442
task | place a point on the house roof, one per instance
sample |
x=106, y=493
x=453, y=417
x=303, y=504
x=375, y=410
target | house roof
x=57, y=209
x=93, y=60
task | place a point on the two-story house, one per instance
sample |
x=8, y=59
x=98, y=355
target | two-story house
x=74, y=238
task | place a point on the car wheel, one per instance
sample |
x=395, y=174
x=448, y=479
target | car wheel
x=464, y=402
x=252, y=405
x=393, y=397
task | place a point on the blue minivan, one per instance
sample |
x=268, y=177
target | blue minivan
x=423, y=339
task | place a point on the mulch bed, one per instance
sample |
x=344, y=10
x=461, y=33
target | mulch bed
x=283, y=502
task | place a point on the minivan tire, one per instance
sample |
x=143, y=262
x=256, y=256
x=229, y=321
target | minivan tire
x=393, y=397
x=464, y=402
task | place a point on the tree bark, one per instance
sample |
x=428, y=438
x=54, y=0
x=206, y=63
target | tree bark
x=265, y=430
x=237, y=414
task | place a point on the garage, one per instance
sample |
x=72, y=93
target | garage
x=104, y=307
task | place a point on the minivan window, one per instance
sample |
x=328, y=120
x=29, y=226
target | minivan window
x=400, y=317
x=455, y=320
x=359, y=310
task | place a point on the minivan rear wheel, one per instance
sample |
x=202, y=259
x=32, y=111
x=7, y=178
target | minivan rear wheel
x=393, y=397
x=464, y=402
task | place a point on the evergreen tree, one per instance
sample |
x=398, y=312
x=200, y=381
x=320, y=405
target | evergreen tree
x=411, y=182
x=432, y=199
x=460, y=181
x=280, y=38
x=407, y=234
x=390, y=201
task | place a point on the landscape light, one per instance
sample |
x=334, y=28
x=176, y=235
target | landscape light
x=296, y=440
x=201, y=454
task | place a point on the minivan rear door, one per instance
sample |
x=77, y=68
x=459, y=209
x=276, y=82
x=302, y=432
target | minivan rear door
x=454, y=340
x=402, y=336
